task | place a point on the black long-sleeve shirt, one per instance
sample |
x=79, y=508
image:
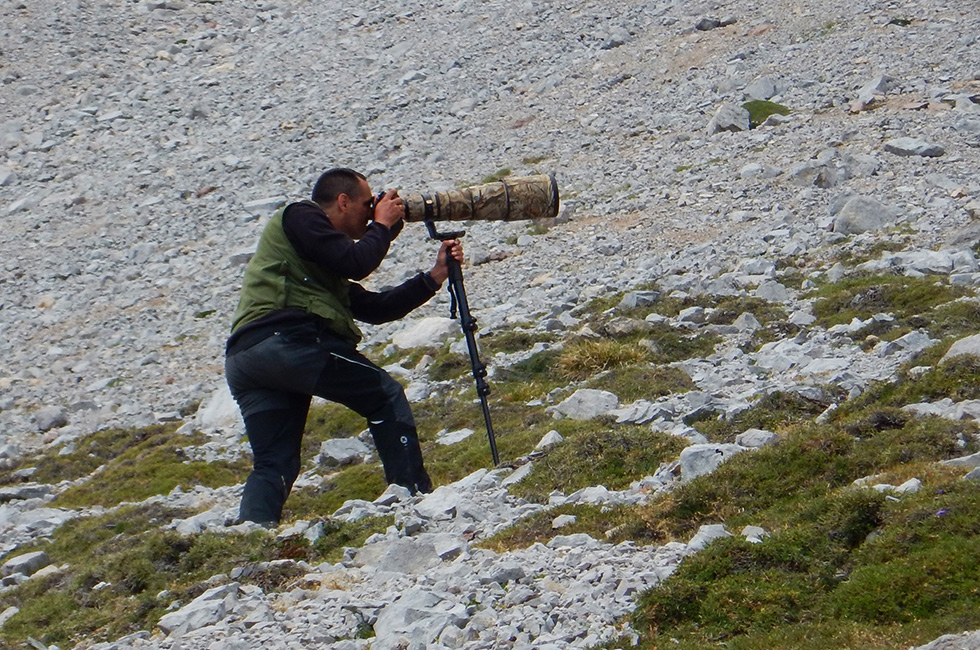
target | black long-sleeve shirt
x=316, y=240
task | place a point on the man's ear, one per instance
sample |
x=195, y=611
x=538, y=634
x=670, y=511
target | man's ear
x=343, y=202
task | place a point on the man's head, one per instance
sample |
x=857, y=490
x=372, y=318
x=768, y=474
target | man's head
x=345, y=196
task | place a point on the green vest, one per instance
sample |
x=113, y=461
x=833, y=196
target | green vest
x=278, y=278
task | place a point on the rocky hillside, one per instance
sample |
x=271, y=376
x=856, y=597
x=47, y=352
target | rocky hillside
x=712, y=158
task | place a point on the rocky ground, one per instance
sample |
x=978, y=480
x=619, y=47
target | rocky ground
x=142, y=146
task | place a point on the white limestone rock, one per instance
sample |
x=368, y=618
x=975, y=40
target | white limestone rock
x=587, y=403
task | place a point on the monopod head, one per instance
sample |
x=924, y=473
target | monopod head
x=510, y=199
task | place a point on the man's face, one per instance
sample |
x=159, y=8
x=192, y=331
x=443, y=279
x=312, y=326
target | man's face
x=356, y=211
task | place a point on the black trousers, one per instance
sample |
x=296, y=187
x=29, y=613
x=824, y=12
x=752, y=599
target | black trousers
x=273, y=375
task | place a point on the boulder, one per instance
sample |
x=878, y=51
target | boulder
x=862, y=214
x=969, y=345
x=729, y=118
x=587, y=403
x=339, y=452
x=913, y=147
x=697, y=460
x=427, y=332
x=26, y=564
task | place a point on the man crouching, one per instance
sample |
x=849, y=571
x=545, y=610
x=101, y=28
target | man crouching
x=293, y=335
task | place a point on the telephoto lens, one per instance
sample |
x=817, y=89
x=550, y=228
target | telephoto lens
x=511, y=199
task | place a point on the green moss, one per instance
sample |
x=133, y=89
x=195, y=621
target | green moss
x=760, y=110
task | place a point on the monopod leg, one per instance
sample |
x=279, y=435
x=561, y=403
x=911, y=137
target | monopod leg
x=468, y=323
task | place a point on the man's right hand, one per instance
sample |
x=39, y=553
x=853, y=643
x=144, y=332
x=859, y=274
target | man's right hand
x=390, y=209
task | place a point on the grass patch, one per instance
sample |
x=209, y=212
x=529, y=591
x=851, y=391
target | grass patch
x=134, y=560
x=136, y=464
x=862, y=572
x=957, y=379
x=643, y=382
x=517, y=430
x=613, y=457
x=539, y=371
x=864, y=296
x=510, y=341
x=327, y=421
x=338, y=535
x=584, y=358
x=498, y=175
x=752, y=488
x=844, y=567
x=668, y=344
x=592, y=520
x=365, y=482
x=777, y=412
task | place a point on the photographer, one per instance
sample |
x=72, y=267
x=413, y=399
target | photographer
x=294, y=336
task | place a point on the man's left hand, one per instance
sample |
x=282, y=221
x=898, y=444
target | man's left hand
x=440, y=271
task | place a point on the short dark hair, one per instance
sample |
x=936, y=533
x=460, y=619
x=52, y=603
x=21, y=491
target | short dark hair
x=334, y=182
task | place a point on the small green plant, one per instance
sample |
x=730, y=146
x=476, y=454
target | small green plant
x=760, y=110
x=533, y=160
x=498, y=175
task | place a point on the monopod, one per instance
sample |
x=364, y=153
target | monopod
x=457, y=295
x=529, y=197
